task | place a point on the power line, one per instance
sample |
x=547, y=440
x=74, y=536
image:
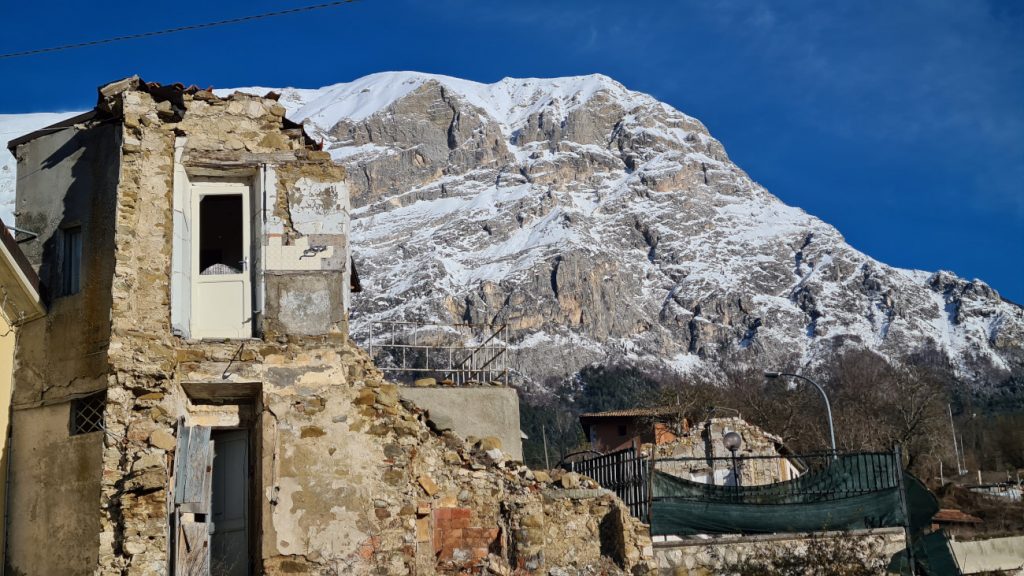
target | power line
x=178, y=29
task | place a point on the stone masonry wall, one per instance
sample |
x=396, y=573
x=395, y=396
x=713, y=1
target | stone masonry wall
x=709, y=557
x=143, y=398
x=351, y=479
x=704, y=440
x=354, y=481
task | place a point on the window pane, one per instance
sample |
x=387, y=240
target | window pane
x=220, y=235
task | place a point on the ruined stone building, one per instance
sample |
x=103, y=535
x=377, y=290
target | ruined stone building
x=699, y=453
x=191, y=402
x=699, y=446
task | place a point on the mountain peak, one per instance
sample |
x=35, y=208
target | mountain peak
x=602, y=225
x=509, y=101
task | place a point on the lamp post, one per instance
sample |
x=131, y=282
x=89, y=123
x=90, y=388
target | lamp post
x=733, y=441
x=828, y=406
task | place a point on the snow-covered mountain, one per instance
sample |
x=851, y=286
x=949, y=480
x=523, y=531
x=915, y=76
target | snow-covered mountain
x=603, y=225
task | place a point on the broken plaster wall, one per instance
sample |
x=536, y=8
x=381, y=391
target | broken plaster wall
x=355, y=482
x=66, y=179
x=242, y=136
x=473, y=412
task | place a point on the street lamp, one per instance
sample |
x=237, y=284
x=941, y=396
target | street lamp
x=828, y=406
x=733, y=441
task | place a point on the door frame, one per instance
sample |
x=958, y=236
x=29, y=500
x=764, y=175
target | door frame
x=226, y=410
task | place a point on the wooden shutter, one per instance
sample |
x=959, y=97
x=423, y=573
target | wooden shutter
x=192, y=516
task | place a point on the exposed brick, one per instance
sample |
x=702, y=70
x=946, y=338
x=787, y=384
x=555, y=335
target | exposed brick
x=459, y=523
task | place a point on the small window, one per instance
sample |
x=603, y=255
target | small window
x=622, y=430
x=87, y=413
x=71, y=261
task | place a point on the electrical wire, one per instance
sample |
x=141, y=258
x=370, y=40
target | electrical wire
x=177, y=29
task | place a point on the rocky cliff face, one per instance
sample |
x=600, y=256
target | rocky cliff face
x=602, y=225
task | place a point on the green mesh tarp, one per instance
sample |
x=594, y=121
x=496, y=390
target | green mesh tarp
x=855, y=492
x=932, y=555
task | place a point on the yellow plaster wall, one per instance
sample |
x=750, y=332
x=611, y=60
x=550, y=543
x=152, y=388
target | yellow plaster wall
x=6, y=378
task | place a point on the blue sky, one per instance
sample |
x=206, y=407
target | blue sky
x=901, y=123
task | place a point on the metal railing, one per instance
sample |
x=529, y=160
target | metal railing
x=627, y=473
x=624, y=472
x=453, y=354
x=848, y=475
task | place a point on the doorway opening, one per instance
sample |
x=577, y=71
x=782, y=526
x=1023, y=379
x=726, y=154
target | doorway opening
x=231, y=504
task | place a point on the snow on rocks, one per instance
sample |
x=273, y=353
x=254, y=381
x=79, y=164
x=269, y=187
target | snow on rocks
x=603, y=225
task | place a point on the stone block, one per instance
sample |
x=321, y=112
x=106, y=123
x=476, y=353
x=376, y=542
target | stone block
x=366, y=397
x=423, y=532
x=489, y=443
x=312, y=432
x=388, y=395
x=162, y=439
x=533, y=520
x=428, y=485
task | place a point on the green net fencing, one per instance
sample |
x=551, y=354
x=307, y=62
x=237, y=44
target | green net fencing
x=853, y=492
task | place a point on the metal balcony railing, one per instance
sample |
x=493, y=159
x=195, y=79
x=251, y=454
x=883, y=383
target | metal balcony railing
x=453, y=354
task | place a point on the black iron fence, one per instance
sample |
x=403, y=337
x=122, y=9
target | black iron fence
x=818, y=477
x=624, y=472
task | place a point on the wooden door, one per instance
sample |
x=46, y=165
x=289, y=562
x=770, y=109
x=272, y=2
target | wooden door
x=191, y=517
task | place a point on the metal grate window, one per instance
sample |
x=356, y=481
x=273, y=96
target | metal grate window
x=87, y=413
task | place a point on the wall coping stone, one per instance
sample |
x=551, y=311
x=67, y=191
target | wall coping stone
x=738, y=539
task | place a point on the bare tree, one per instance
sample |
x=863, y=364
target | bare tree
x=874, y=403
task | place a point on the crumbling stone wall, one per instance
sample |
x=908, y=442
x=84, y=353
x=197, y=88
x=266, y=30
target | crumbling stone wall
x=704, y=441
x=578, y=528
x=355, y=481
x=350, y=478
